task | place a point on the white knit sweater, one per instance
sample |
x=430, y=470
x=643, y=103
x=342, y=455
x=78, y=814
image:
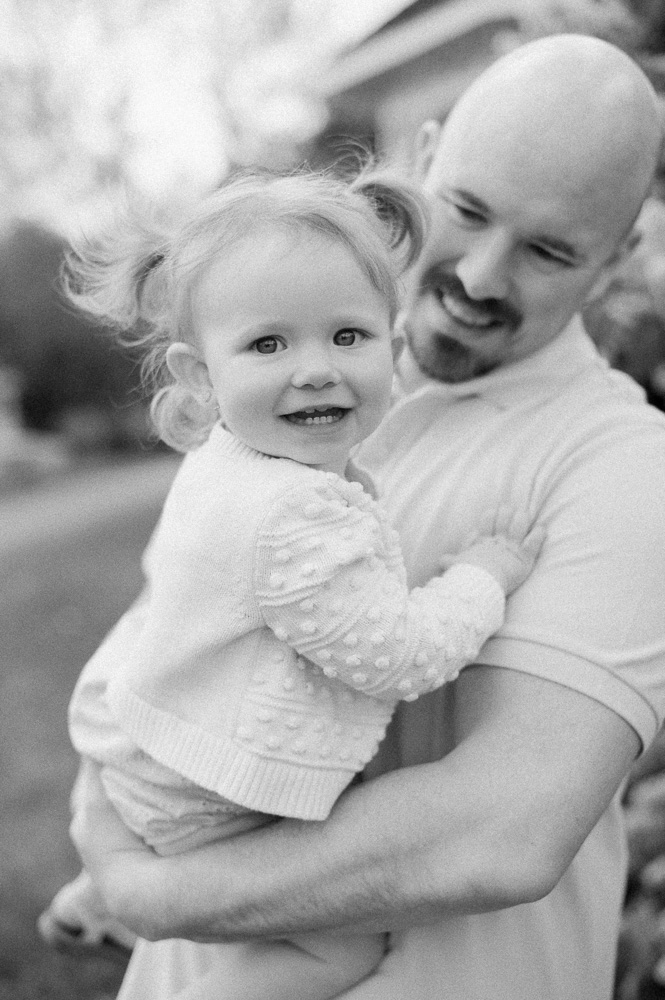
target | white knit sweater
x=278, y=633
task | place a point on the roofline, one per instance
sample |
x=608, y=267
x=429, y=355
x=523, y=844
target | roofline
x=393, y=46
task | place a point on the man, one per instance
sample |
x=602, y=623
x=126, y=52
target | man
x=493, y=852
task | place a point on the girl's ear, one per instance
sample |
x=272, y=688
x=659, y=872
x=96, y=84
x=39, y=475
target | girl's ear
x=190, y=370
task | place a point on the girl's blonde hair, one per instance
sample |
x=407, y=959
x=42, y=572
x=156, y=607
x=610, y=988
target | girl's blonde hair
x=137, y=277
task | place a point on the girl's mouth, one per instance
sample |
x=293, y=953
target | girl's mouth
x=316, y=415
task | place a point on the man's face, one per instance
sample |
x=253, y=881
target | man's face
x=516, y=246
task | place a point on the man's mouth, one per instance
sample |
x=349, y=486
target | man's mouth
x=312, y=415
x=481, y=314
x=467, y=315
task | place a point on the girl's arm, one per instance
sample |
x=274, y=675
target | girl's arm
x=329, y=580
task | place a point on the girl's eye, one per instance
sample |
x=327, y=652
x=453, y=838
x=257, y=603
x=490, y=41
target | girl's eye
x=347, y=338
x=266, y=345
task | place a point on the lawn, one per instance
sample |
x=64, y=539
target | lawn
x=57, y=600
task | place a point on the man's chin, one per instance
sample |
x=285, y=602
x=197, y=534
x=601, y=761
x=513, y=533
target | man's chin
x=446, y=360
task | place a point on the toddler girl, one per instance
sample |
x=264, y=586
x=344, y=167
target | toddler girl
x=258, y=671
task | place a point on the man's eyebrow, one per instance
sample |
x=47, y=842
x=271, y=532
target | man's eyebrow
x=469, y=198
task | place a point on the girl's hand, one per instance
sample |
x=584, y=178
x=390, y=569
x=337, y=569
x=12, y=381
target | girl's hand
x=508, y=561
x=509, y=553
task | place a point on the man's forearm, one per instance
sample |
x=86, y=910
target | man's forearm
x=493, y=824
x=384, y=859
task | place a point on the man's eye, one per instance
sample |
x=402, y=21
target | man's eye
x=465, y=213
x=549, y=256
x=347, y=338
x=266, y=345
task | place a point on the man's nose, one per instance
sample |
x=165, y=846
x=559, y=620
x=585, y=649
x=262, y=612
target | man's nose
x=315, y=369
x=485, y=268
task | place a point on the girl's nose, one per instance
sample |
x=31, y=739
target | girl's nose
x=317, y=372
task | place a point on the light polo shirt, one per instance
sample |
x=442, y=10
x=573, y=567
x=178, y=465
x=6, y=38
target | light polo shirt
x=570, y=444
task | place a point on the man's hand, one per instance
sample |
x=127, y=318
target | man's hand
x=119, y=863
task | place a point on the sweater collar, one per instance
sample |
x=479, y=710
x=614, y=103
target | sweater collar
x=228, y=444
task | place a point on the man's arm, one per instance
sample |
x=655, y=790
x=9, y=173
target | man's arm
x=494, y=824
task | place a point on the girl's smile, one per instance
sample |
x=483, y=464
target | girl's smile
x=317, y=416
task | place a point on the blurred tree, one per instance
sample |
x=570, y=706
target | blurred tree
x=652, y=13
x=613, y=20
x=69, y=371
x=92, y=94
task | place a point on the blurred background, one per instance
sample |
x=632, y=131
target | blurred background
x=169, y=96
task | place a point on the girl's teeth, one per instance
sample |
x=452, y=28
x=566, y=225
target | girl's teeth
x=311, y=415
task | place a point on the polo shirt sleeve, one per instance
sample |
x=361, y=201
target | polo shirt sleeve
x=592, y=614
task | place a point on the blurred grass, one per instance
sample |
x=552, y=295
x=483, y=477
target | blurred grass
x=57, y=600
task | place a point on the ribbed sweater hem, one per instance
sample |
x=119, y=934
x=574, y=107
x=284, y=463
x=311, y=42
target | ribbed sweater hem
x=222, y=765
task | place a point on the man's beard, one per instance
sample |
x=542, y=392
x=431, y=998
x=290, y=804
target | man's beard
x=446, y=359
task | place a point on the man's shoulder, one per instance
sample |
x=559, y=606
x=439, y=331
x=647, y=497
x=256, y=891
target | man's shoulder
x=598, y=399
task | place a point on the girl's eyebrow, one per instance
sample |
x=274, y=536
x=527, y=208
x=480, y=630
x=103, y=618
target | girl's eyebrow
x=264, y=328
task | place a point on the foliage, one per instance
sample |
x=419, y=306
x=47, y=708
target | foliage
x=64, y=364
x=93, y=95
x=613, y=20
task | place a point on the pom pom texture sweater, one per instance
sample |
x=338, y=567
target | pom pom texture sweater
x=278, y=632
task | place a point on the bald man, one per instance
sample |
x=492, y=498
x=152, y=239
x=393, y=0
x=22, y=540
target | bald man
x=489, y=841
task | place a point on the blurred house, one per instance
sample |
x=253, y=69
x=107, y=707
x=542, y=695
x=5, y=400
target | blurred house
x=414, y=68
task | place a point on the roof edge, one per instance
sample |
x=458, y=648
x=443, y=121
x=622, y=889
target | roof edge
x=405, y=41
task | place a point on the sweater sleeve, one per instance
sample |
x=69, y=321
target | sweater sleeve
x=330, y=581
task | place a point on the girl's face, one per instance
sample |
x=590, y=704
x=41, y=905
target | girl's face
x=297, y=346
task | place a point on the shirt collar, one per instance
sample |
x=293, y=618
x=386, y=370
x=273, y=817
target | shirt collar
x=541, y=374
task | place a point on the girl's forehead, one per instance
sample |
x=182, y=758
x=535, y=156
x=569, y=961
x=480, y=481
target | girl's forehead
x=277, y=244
x=276, y=266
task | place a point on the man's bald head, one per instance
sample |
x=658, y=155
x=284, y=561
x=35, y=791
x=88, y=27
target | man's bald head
x=535, y=182
x=574, y=104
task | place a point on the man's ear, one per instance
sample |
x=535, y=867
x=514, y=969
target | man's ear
x=189, y=370
x=427, y=141
x=622, y=252
x=397, y=344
